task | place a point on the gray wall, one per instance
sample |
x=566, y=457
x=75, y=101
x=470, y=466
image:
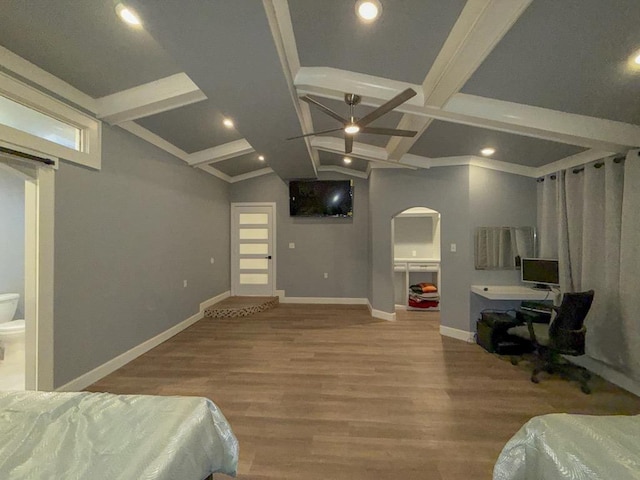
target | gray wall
x=333, y=245
x=414, y=234
x=445, y=190
x=125, y=239
x=12, y=237
x=466, y=197
x=498, y=199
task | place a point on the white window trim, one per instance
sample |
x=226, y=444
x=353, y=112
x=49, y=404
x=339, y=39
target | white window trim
x=90, y=154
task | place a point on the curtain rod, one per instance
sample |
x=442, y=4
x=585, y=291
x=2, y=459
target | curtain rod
x=27, y=156
x=618, y=159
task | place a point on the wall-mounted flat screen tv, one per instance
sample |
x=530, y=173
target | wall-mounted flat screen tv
x=321, y=198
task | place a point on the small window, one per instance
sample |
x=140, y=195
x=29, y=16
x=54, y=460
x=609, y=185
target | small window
x=26, y=119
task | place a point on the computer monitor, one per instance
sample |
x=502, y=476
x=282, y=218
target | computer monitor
x=542, y=272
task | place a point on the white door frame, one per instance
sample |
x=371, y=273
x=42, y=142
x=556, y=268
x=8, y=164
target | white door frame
x=234, y=242
x=39, y=280
x=38, y=273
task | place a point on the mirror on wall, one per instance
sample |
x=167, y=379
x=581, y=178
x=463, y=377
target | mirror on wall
x=501, y=248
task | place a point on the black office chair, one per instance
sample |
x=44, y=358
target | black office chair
x=565, y=335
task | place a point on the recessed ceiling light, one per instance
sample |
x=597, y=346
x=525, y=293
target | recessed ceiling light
x=351, y=129
x=346, y=160
x=227, y=122
x=488, y=151
x=261, y=158
x=368, y=10
x=127, y=15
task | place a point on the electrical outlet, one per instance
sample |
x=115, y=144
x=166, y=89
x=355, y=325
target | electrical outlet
x=326, y=275
x=292, y=245
x=213, y=260
x=413, y=253
x=184, y=283
x=454, y=247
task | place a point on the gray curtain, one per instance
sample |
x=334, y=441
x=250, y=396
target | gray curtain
x=630, y=263
x=591, y=221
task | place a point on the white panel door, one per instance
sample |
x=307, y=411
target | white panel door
x=253, y=249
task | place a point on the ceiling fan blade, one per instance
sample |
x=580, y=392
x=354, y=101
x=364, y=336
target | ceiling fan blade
x=387, y=107
x=326, y=110
x=316, y=133
x=348, y=144
x=389, y=131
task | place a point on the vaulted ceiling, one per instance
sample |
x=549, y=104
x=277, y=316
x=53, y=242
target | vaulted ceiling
x=545, y=83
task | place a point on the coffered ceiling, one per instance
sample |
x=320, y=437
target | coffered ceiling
x=546, y=83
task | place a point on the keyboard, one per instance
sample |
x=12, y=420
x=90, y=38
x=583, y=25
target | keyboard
x=537, y=307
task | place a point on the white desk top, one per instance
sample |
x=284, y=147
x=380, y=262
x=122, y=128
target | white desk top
x=511, y=292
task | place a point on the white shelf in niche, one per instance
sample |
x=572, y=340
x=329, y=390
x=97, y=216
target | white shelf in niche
x=416, y=252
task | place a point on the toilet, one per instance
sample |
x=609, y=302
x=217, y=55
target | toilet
x=11, y=331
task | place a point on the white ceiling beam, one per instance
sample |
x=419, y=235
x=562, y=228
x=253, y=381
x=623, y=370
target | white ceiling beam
x=360, y=150
x=254, y=174
x=27, y=70
x=154, y=97
x=215, y=172
x=480, y=27
x=589, y=132
x=334, y=83
x=345, y=171
x=220, y=153
x=143, y=133
x=279, y=19
x=537, y=122
x=572, y=161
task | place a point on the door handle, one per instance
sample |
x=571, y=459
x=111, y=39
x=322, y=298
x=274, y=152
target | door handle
x=268, y=257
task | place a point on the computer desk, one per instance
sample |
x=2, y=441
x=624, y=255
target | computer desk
x=511, y=292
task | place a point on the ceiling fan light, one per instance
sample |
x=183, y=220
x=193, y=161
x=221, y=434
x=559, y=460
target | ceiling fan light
x=368, y=10
x=351, y=129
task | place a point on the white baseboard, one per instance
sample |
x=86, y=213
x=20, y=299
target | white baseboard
x=83, y=381
x=380, y=314
x=608, y=373
x=463, y=335
x=214, y=300
x=325, y=300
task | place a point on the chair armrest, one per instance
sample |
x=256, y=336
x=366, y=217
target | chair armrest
x=570, y=342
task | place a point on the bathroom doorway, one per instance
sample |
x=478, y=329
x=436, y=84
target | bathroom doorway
x=12, y=280
x=416, y=259
x=26, y=279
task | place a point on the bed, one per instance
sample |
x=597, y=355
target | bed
x=563, y=446
x=117, y=437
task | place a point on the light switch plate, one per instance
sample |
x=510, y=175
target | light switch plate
x=326, y=275
x=292, y=245
x=454, y=247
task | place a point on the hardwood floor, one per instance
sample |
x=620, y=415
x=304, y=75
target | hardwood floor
x=326, y=392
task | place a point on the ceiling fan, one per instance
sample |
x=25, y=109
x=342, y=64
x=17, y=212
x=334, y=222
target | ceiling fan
x=351, y=126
